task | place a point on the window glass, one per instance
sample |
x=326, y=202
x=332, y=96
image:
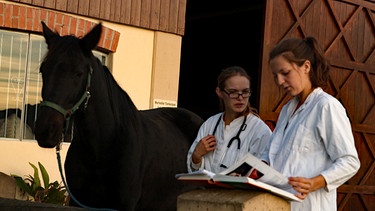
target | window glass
x=13, y=56
x=101, y=56
x=33, y=84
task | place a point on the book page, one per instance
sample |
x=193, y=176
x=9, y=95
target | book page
x=204, y=174
x=251, y=184
x=201, y=178
x=266, y=173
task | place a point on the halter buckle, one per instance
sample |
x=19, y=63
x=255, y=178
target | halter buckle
x=59, y=144
x=88, y=95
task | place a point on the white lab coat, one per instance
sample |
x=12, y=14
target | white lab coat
x=316, y=139
x=254, y=140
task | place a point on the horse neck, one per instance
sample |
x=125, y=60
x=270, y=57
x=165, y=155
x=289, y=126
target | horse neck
x=109, y=104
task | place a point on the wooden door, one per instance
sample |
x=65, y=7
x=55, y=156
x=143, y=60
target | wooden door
x=346, y=30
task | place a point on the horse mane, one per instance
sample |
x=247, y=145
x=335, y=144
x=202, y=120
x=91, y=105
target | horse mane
x=119, y=98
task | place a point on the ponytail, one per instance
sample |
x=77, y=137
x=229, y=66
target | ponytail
x=297, y=50
x=320, y=74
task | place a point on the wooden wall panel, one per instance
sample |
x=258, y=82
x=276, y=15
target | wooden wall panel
x=160, y=15
x=135, y=11
x=173, y=16
x=346, y=31
x=38, y=2
x=115, y=13
x=105, y=9
x=72, y=7
x=125, y=11
x=49, y=3
x=145, y=13
x=94, y=10
x=83, y=7
x=164, y=15
x=61, y=5
x=181, y=13
x=155, y=14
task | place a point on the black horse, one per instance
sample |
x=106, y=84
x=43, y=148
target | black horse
x=120, y=157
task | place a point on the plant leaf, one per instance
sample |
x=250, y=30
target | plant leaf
x=36, y=182
x=23, y=185
x=45, y=175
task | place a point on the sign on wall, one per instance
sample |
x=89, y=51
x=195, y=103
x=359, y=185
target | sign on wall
x=158, y=103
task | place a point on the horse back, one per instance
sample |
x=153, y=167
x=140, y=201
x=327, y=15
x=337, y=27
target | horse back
x=183, y=119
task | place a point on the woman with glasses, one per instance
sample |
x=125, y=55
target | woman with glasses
x=312, y=143
x=223, y=139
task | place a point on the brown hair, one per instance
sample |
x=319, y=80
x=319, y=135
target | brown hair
x=228, y=73
x=297, y=50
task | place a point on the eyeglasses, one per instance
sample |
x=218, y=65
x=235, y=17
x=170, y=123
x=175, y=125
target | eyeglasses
x=235, y=94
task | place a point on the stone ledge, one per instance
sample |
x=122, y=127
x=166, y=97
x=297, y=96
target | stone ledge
x=9, y=188
x=14, y=204
x=230, y=200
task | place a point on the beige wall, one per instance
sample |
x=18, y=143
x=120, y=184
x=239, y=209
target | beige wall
x=146, y=65
x=15, y=156
x=132, y=63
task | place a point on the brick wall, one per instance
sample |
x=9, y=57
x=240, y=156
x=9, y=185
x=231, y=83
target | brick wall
x=20, y=17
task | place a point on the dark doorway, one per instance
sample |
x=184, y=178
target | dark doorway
x=218, y=35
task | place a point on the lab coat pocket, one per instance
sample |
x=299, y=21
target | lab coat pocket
x=305, y=141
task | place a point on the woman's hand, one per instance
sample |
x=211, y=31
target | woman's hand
x=305, y=185
x=205, y=145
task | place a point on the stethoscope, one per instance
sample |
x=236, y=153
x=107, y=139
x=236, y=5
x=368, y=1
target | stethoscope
x=237, y=137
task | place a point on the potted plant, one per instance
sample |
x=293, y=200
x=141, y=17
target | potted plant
x=47, y=192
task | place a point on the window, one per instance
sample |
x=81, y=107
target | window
x=21, y=82
x=101, y=56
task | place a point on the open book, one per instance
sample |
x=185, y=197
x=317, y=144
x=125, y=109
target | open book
x=268, y=178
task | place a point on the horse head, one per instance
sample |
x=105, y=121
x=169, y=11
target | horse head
x=66, y=73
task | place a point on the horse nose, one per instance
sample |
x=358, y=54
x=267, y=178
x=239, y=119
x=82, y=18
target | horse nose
x=45, y=136
x=48, y=130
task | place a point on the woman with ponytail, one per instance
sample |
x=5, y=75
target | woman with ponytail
x=312, y=142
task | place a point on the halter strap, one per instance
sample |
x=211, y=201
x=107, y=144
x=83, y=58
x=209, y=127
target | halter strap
x=67, y=113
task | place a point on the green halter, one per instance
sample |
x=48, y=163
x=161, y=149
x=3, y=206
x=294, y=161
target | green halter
x=69, y=112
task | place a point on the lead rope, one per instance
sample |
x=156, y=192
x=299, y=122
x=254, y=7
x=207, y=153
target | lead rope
x=58, y=148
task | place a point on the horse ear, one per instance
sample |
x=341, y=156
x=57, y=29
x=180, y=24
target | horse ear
x=91, y=39
x=48, y=34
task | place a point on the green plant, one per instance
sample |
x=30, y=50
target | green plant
x=53, y=193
